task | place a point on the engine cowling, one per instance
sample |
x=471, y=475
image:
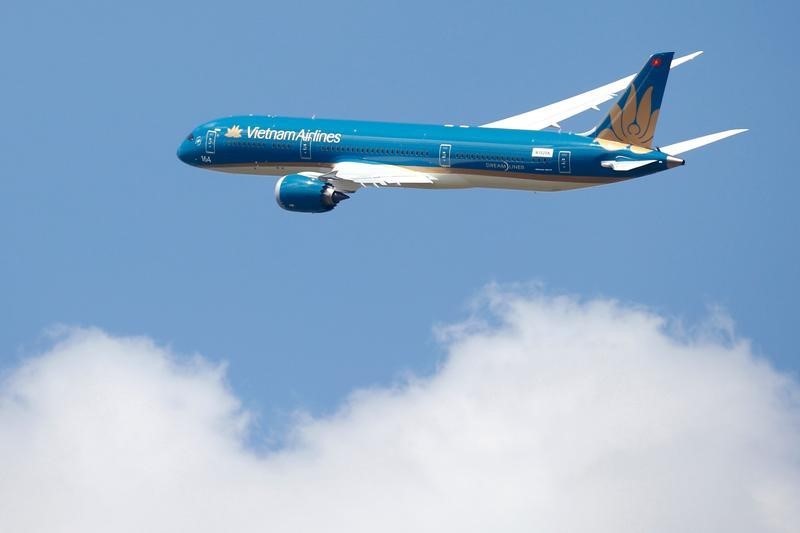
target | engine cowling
x=306, y=194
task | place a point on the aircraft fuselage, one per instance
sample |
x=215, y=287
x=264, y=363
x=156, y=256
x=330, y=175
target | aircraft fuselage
x=455, y=156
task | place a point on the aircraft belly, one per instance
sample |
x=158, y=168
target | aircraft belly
x=272, y=170
x=532, y=182
x=450, y=179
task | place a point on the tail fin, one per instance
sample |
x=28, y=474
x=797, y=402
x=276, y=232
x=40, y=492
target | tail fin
x=632, y=120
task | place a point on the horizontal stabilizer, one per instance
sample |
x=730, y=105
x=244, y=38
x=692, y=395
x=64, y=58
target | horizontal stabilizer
x=691, y=144
x=623, y=166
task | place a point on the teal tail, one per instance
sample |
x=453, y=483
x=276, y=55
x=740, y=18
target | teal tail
x=632, y=120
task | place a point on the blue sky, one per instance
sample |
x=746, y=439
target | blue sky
x=101, y=225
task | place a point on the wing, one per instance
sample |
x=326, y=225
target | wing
x=552, y=114
x=349, y=176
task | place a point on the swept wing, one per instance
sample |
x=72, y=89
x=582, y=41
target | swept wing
x=553, y=114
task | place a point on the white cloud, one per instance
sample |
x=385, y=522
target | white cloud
x=548, y=415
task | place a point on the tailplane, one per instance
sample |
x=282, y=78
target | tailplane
x=691, y=144
x=632, y=119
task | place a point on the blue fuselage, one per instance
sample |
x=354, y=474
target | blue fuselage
x=458, y=156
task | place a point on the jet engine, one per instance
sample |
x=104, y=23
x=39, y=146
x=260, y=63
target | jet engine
x=306, y=194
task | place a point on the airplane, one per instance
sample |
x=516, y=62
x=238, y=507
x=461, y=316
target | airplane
x=324, y=161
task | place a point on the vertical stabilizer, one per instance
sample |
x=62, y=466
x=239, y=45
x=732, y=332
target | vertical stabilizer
x=632, y=119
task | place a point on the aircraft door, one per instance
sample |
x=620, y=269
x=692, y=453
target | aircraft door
x=564, y=163
x=305, y=149
x=444, y=155
x=211, y=141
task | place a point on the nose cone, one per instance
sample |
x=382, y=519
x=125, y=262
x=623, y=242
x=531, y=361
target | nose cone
x=187, y=152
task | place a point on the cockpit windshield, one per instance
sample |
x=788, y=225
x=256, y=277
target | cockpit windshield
x=190, y=137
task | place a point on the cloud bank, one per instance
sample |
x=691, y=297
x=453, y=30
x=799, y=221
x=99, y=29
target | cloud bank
x=548, y=414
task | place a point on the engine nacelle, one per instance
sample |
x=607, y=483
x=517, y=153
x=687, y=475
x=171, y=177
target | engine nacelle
x=306, y=194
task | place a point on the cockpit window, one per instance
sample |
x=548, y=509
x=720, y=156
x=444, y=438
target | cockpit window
x=190, y=137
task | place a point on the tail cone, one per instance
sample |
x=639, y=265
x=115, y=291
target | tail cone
x=337, y=197
x=673, y=161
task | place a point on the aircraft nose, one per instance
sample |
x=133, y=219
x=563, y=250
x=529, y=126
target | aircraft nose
x=187, y=152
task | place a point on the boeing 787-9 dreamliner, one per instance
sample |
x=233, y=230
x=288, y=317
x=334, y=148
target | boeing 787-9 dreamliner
x=323, y=162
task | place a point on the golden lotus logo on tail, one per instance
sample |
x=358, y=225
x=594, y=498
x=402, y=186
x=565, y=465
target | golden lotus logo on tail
x=234, y=132
x=634, y=124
